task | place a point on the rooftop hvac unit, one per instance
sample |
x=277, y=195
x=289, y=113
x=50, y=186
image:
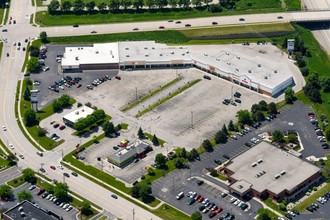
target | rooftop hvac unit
x=237, y=70
x=153, y=48
x=20, y=209
x=277, y=176
x=282, y=172
x=257, y=176
x=77, y=58
x=96, y=52
x=217, y=59
x=228, y=63
x=146, y=55
x=259, y=65
x=249, y=70
x=145, y=48
x=227, y=53
x=127, y=55
x=181, y=47
x=172, y=52
x=187, y=51
x=183, y=54
x=275, y=71
x=126, y=48
x=240, y=186
x=238, y=57
x=78, y=48
x=22, y=214
x=254, y=164
x=265, y=77
x=82, y=110
x=119, y=153
x=260, y=161
x=77, y=112
x=161, y=54
x=205, y=54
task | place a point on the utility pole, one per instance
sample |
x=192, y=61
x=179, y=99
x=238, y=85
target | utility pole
x=136, y=95
x=192, y=119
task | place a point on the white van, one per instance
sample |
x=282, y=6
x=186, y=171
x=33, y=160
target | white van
x=180, y=195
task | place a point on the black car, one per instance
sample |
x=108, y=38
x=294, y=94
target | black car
x=44, y=195
x=226, y=156
x=188, y=25
x=7, y=54
x=74, y=174
x=214, y=23
x=295, y=211
x=75, y=25
x=325, y=146
x=288, y=215
x=244, y=206
x=241, y=19
x=199, y=182
x=66, y=175
x=42, y=170
x=218, y=162
x=201, y=208
x=238, y=101
x=207, y=77
x=178, y=22
x=248, y=144
x=237, y=95
x=93, y=32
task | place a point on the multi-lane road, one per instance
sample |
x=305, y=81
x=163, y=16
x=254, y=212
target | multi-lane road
x=10, y=73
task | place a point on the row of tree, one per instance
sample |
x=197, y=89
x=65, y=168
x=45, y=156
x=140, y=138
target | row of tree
x=88, y=121
x=115, y=6
x=62, y=102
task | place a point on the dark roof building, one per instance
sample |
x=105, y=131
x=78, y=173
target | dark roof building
x=28, y=211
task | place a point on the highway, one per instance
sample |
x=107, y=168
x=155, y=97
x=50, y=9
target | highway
x=10, y=73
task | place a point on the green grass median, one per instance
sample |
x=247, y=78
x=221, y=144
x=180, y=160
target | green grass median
x=18, y=181
x=171, y=95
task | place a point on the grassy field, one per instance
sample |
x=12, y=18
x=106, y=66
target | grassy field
x=168, y=212
x=150, y=136
x=177, y=92
x=257, y=4
x=18, y=181
x=158, y=173
x=271, y=214
x=293, y=5
x=142, y=99
x=237, y=29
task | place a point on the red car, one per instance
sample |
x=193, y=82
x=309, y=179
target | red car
x=79, y=85
x=201, y=199
x=197, y=197
x=62, y=127
x=53, y=167
x=118, y=77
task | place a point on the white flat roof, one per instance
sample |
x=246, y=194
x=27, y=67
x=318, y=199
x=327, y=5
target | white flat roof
x=81, y=112
x=265, y=68
x=96, y=54
x=151, y=52
x=274, y=161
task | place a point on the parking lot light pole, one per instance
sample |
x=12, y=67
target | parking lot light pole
x=136, y=95
x=133, y=214
x=192, y=119
x=173, y=181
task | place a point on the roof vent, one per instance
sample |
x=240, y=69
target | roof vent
x=282, y=172
x=145, y=48
x=259, y=64
x=249, y=70
x=126, y=48
x=20, y=208
x=96, y=52
x=266, y=77
x=277, y=176
x=238, y=57
x=127, y=55
x=161, y=54
x=205, y=54
x=146, y=55
x=260, y=161
x=172, y=52
x=78, y=48
x=275, y=71
x=254, y=164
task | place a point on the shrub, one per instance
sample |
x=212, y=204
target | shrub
x=151, y=171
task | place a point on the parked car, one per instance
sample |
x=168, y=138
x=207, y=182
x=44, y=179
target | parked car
x=66, y=175
x=114, y=196
x=56, y=125
x=74, y=174
x=190, y=201
x=226, y=156
x=118, y=77
x=199, y=182
x=214, y=23
x=62, y=127
x=207, y=77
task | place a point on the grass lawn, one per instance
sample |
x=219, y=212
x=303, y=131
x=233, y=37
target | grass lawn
x=158, y=173
x=273, y=205
x=257, y=4
x=271, y=214
x=142, y=99
x=312, y=198
x=206, y=32
x=4, y=163
x=150, y=136
x=177, y=92
x=166, y=36
x=124, y=126
x=293, y=5
x=18, y=181
x=166, y=211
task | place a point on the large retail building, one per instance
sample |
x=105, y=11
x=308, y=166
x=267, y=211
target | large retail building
x=267, y=171
x=244, y=65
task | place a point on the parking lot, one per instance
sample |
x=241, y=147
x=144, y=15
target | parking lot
x=41, y=202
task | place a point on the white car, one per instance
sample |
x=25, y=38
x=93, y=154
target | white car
x=237, y=202
x=66, y=206
x=11, y=146
x=32, y=187
x=60, y=167
x=233, y=199
x=4, y=128
x=206, y=200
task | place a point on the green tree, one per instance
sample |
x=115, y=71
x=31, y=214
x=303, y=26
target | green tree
x=293, y=138
x=125, y=3
x=263, y=105
x=64, y=100
x=272, y=108
x=193, y=153
x=6, y=191
x=327, y=133
x=278, y=136
x=11, y=159
x=289, y=95
x=224, y=130
x=155, y=140
x=24, y=195
x=66, y=5
x=32, y=65
x=90, y=6
x=183, y=153
x=135, y=192
x=108, y=128
x=325, y=83
x=114, y=5
x=258, y=116
x=57, y=107
x=29, y=175
x=207, y=145
x=220, y=137
x=196, y=216
x=78, y=6
x=173, y=3
x=43, y=37
x=254, y=108
x=30, y=117
x=86, y=208
x=244, y=117
x=264, y=216
x=160, y=160
x=61, y=191
x=53, y=6
x=27, y=93
x=197, y=3
x=144, y=192
x=150, y=3
x=137, y=4
x=231, y=126
x=140, y=133
x=102, y=7
x=178, y=162
x=34, y=51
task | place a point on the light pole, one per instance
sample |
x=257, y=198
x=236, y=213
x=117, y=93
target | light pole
x=136, y=95
x=192, y=119
x=173, y=181
x=133, y=214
